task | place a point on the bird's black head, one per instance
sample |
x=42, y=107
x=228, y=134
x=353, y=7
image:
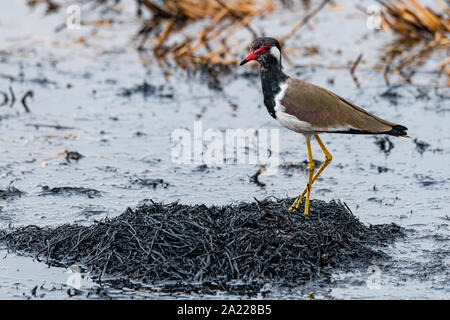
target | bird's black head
x=265, y=50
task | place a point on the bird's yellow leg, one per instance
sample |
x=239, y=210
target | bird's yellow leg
x=311, y=166
x=328, y=158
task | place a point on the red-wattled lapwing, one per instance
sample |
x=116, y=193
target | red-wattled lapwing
x=309, y=109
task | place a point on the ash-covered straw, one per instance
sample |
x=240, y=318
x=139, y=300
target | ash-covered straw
x=196, y=247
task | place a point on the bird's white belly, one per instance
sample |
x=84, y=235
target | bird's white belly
x=293, y=123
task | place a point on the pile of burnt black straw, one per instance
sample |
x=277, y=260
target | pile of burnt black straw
x=235, y=248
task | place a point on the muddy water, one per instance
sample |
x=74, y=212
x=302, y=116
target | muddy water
x=85, y=81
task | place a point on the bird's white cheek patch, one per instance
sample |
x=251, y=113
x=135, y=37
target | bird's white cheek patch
x=275, y=52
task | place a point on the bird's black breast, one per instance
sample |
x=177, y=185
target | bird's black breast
x=269, y=102
x=271, y=80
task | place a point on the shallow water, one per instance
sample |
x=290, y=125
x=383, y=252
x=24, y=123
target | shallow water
x=127, y=139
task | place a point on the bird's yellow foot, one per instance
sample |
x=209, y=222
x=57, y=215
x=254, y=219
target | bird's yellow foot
x=294, y=206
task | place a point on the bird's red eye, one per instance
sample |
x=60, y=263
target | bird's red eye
x=267, y=48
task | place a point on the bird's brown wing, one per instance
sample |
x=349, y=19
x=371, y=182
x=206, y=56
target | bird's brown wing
x=326, y=111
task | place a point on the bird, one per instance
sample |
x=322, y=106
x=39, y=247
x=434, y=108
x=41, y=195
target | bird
x=309, y=109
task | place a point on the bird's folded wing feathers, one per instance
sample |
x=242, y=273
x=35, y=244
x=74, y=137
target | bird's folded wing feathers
x=326, y=111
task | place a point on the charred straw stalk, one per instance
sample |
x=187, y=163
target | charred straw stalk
x=212, y=247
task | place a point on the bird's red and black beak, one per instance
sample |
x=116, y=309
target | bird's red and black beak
x=254, y=54
x=250, y=57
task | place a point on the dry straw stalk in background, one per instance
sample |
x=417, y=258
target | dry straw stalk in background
x=421, y=31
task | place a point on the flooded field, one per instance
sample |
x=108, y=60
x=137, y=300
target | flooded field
x=98, y=138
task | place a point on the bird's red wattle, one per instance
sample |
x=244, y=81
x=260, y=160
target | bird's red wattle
x=254, y=54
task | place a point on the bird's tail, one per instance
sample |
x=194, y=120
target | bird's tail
x=398, y=131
